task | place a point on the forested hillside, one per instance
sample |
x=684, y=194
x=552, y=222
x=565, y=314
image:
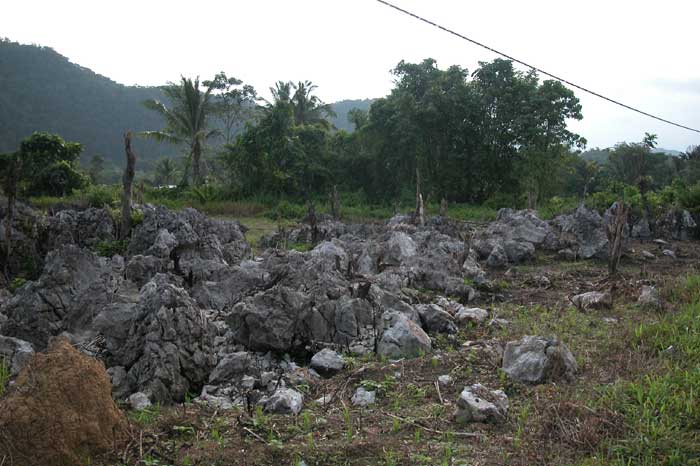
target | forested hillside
x=41, y=90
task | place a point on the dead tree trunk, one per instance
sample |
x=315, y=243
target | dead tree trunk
x=335, y=204
x=11, y=192
x=127, y=183
x=443, y=207
x=419, y=214
x=615, y=233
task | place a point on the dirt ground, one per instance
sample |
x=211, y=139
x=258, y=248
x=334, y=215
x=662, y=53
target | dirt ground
x=412, y=422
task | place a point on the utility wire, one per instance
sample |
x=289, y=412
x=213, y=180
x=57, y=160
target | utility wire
x=449, y=31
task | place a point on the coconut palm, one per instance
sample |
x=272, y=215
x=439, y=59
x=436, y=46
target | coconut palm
x=308, y=108
x=186, y=120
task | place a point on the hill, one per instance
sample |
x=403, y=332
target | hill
x=41, y=90
x=342, y=107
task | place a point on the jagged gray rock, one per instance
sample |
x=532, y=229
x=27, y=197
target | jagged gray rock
x=363, y=397
x=436, y=319
x=402, y=338
x=327, y=362
x=479, y=404
x=535, y=359
x=284, y=401
x=15, y=353
x=649, y=297
x=583, y=230
x=592, y=300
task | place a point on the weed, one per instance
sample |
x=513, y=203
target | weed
x=147, y=415
x=4, y=375
x=16, y=284
x=349, y=430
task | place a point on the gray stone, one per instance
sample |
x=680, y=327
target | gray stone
x=402, y=338
x=648, y=255
x=669, y=253
x=519, y=251
x=15, y=353
x=435, y=319
x=284, y=401
x=585, y=229
x=399, y=248
x=649, y=297
x=592, y=300
x=567, y=254
x=445, y=380
x=641, y=229
x=473, y=315
x=535, y=359
x=498, y=257
x=139, y=401
x=121, y=386
x=478, y=404
x=327, y=362
x=163, y=244
x=363, y=397
x=230, y=367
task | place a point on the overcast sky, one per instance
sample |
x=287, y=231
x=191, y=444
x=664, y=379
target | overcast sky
x=644, y=53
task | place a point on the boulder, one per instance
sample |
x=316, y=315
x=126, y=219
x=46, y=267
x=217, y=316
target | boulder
x=436, y=319
x=230, y=367
x=168, y=350
x=519, y=251
x=479, y=404
x=327, y=362
x=498, y=257
x=399, y=248
x=584, y=229
x=649, y=297
x=535, y=360
x=402, y=338
x=473, y=315
x=15, y=353
x=363, y=397
x=283, y=401
x=592, y=300
x=139, y=401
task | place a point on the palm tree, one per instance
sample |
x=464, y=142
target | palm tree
x=186, y=121
x=308, y=108
x=165, y=171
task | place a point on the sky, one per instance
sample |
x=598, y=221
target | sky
x=643, y=53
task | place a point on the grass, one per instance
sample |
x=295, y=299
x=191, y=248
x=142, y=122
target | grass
x=660, y=409
x=4, y=375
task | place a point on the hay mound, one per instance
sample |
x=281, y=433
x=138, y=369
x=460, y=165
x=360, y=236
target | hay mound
x=60, y=410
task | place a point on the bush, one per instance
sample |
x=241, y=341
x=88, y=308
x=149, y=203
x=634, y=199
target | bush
x=16, y=284
x=112, y=248
x=287, y=210
x=100, y=195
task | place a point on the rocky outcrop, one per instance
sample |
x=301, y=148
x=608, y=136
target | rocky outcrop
x=583, y=231
x=402, y=338
x=536, y=360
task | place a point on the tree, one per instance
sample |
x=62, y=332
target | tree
x=49, y=165
x=166, y=171
x=186, y=120
x=96, y=168
x=10, y=173
x=233, y=103
x=308, y=108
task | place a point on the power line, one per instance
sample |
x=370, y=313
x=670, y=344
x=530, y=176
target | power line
x=541, y=71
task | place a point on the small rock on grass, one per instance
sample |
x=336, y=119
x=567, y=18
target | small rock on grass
x=363, y=397
x=479, y=404
x=592, y=300
x=283, y=401
x=139, y=401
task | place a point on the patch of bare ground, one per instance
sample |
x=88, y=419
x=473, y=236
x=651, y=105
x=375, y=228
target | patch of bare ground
x=412, y=422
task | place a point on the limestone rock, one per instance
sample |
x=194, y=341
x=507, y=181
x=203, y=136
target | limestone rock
x=535, y=359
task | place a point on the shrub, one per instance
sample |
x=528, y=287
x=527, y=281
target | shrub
x=16, y=283
x=112, y=248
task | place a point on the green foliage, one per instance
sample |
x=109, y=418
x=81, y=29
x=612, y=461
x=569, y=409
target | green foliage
x=4, y=375
x=100, y=196
x=16, y=284
x=112, y=248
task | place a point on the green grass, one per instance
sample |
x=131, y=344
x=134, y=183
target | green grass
x=660, y=409
x=4, y=375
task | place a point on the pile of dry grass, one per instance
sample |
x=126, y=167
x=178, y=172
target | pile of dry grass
x=60, y=411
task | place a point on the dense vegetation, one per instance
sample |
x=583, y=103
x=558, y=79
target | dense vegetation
x=493, y=137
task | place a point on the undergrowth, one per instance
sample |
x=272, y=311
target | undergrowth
x=661, y=409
